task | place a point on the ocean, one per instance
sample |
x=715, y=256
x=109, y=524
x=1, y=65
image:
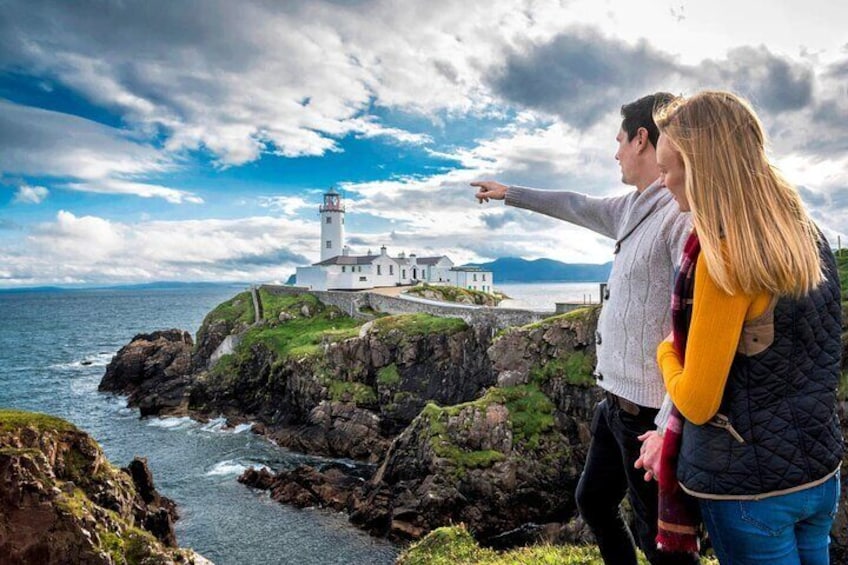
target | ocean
x=54, y=348
x=542, y=297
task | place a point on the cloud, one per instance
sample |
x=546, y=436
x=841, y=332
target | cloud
x=91, y=249
x=290, y=78
x=289, y=205
x=143, y=190
x=43, y=143
x=31, y=194
x=580, y=75
x=775, y=84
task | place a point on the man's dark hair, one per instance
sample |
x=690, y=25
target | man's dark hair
x=640, y=114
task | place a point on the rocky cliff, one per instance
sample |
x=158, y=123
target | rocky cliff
x=310, y=377
x=506, y=459
x=61, y=501
x=464, y=427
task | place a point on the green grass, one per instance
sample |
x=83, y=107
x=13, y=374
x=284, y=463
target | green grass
x=576, y=369
x=530, y=412
x=299, y=337
x=273, y=304
x=454, y=545
x=238, y=309
x=419, y=324
x=457, y=294
x=15, y=419
x=530, y=416
x=842, y=266
x=574, y=315
x=388, y=376
x=442, y=445
x=348, y=391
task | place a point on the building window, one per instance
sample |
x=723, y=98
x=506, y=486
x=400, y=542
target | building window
x=475, y=277
x=342, y=220
x=403, y=275
x=329, y=219
x=329, y=244
x=379, y=269
x=343, y=268
x=484, y=276
x=359, y=268
x=391, y=269
x=363, y=279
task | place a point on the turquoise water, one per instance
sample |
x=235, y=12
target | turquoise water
x=54, y=347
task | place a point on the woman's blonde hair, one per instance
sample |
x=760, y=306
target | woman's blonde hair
x=755, y=233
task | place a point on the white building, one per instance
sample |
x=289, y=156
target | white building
x=339, y=270
x=472, y=278
x=332, y=225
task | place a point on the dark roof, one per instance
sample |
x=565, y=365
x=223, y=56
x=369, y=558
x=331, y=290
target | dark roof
x=469, y=269
x=348, y=260
x=430, y=260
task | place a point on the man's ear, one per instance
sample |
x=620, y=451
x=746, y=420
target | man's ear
x=642, y=137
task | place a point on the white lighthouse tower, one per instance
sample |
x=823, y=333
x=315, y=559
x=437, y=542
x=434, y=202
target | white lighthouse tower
x=332, y=225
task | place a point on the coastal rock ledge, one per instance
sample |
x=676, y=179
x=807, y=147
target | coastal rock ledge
x=61, y=501
x=460, y=423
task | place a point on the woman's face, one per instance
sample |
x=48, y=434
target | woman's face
x=672, y=171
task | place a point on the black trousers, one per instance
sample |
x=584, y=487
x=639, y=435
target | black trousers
x=609, y=475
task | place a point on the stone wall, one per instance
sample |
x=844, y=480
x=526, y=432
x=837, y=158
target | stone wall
x=351, y=302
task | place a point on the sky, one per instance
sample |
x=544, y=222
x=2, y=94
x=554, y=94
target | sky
x=192, y=140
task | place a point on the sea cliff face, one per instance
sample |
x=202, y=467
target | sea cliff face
x=61, y=501
x=463, y=424
x=313, y=379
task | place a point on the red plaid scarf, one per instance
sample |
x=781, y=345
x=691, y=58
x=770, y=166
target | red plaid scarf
x=678, y=512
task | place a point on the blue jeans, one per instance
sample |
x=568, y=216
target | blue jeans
x=780, y=530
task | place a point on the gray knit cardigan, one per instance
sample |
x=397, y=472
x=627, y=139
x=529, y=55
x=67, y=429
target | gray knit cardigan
x=650, y=231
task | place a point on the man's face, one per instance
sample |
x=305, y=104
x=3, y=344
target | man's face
x=672, y=171
x=627, y=155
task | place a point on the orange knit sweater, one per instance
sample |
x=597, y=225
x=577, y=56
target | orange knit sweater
x=717, y=319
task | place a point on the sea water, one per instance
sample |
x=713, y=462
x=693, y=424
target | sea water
x=54, y=348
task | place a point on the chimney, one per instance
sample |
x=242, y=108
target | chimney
x=346, y=250
x=369, y=253
x=383, y=250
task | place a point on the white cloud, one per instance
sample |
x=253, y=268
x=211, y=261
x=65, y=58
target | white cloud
x=438, y=213
x=294, y=78
x=90, y=249
x=97, y=158
x=290, y=78
x=289, y=205
x=143, y=190
x=31, y=194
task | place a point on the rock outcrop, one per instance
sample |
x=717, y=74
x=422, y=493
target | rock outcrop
x=345, y=392
x=463, y=427
x=153, y=369
x=496, y=463
x=61, y=501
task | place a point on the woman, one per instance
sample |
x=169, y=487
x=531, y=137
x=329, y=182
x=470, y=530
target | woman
x=754, y=359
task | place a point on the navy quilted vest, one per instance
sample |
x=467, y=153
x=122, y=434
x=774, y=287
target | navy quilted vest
x=777, y=426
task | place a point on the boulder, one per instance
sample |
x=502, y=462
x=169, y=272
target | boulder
x=153, y=370
x=61, y=501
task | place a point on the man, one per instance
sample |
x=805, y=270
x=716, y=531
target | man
x=649, y=231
